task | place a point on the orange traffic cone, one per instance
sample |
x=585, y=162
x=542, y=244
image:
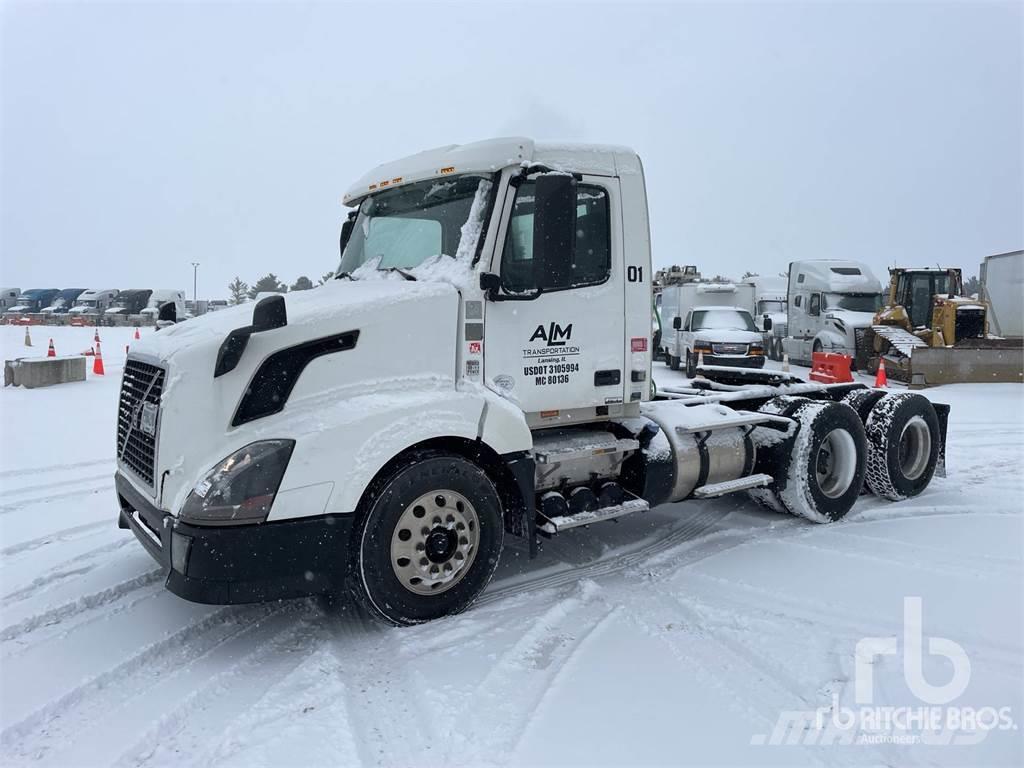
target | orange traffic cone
x=137, y=333
x=96, y=338
x=51, y=352
x=97, y=362
x=28, y=338
x=881, y=380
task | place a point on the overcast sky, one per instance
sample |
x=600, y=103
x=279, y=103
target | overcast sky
x=138, y=138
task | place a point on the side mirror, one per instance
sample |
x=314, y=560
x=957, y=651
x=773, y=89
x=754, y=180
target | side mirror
x=269, y=314
x=554, y=229
x=168, y=313
x=766, y=323
x=677, y=323
x=490, y=284
x=346, y=232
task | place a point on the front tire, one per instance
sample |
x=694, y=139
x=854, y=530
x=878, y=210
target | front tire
x=673, y=362
x=691, y=366
x=429, y=539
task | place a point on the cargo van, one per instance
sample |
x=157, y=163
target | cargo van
x=65, y=301
x=93, y=301
x=678, y=299
x=830, y=303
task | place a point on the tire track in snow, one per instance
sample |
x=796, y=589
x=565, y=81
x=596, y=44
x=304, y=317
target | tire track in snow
x=59, y=536
x=74, y=483
x=95, y=716
x=73, y=566
x=58, y=468
x=219, y=689
x=569, y=573
x=521, y=678
x=80, y=605
x=114, y=676
x=6, y=509
x=785, y=608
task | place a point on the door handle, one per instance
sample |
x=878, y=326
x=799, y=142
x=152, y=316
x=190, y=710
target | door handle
x=607, y=378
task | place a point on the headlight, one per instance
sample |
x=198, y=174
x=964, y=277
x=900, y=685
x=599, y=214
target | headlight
x=241, y=488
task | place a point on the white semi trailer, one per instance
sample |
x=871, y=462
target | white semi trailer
x=1002, y=285
x=284, y=449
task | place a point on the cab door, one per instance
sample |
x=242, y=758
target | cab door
x=560, y=350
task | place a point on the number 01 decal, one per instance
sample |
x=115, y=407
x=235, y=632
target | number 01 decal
x=635, y=274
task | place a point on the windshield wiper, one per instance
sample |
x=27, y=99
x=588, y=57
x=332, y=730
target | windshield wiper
x=402, y=272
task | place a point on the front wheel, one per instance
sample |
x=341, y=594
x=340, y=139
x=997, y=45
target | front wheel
x=429, y=539
x=691, y=366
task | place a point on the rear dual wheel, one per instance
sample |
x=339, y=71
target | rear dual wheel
x=819, y=465
x=903, y=445
x=430, y=536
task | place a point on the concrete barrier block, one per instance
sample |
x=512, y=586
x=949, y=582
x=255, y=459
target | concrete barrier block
x=32, y=372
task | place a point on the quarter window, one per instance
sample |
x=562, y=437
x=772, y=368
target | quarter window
x=592, y=262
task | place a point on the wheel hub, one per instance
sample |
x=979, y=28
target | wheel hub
x=836, y=463
x=434, y=542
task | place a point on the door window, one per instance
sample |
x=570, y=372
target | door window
x=592, y=262
x=815, y=306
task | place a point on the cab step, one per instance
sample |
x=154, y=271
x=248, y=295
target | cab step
x=731, y=486
x=552, y=525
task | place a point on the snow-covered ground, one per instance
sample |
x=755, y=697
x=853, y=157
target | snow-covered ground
x=686, y=635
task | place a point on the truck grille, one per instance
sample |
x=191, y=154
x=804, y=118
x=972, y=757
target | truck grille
x=729, y=349
x=142, y=385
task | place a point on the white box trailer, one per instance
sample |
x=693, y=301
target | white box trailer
x=283, y=448
x=1002, y=286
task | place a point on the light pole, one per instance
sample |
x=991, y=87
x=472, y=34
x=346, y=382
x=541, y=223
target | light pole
x=195, y=282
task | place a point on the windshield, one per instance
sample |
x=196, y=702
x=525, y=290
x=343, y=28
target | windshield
x=722, y=320
x=87, y=303
x=403, y=227
x=855, y=302
x=768, y=307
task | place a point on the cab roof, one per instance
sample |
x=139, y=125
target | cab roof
x=490, y=156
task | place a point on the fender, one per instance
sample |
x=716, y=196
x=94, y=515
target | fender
x=355, y=440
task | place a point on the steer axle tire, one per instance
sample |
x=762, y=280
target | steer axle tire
x=428, y=539
x=903, y=445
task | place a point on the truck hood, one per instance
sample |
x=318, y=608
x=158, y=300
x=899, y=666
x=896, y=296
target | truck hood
x=406, y=329
x=727, y=337
x=851, y=319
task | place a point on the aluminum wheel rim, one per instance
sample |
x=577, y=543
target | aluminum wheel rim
x=435, y=542
x=915, y=447
x=836, y=463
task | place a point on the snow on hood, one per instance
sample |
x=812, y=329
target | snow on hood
x=726, y=336
x=850, y=318
x=335, y=299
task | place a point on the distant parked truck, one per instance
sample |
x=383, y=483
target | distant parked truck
x=677, y=302
x=64, y=301
x=159, y=299
x=830, y=303
x=94, y=301
x=8, y=298
x=1002, y=286
x=769, y=302
x=215, y=305
x=33, y=301
x=129, y=302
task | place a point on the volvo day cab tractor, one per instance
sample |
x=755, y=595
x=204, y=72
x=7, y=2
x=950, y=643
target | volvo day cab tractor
x=928, y=332
x=281, y=449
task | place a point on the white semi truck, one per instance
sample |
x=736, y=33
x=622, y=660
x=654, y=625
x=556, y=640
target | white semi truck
x=831, y=303
x=282, y=449
x=769, y=303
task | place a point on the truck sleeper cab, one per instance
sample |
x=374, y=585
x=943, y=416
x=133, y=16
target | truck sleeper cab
x=276, y=450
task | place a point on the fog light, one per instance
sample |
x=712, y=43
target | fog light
x=181, y=546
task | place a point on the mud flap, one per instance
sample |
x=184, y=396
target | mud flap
x=521, y=516
x=942, y=412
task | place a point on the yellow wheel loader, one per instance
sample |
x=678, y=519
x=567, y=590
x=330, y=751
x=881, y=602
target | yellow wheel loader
x=929, y=333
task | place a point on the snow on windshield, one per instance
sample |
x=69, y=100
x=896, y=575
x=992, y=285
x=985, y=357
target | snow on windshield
x=420, y=230
x=722, y=319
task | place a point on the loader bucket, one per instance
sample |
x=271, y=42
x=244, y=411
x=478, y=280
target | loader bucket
x=932, y=366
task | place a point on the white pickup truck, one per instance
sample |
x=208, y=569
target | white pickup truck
x=285, y=449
